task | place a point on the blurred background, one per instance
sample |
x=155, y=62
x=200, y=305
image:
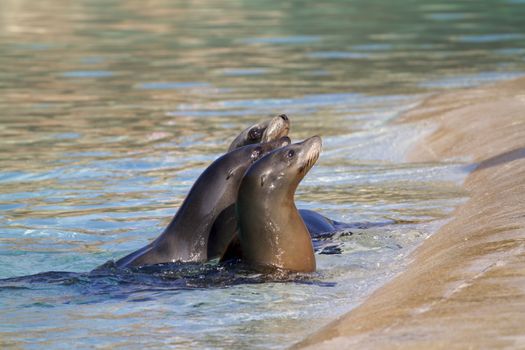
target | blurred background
x=109, y=110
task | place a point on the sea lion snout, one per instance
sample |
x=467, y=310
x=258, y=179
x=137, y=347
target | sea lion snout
x=314, y=144
x=278, y=127
x=311, y=151
x=265, y=131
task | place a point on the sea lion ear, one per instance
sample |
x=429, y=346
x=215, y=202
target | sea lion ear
x=262, y=179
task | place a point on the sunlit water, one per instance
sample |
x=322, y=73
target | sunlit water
x=109, y=110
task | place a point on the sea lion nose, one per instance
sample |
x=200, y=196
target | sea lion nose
x=284, y=117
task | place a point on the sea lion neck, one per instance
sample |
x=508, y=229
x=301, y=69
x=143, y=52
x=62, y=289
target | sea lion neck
x=271, y=231
x=274, y=235
x=210, y=194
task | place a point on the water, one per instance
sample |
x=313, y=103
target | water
x=109, y=110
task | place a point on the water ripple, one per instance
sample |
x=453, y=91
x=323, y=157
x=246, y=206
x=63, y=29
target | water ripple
x=88, y=74
x=168, y=85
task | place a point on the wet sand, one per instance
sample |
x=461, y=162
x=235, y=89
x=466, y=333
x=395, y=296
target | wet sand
x=465, y=285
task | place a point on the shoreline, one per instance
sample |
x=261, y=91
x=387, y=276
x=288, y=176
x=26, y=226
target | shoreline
x=465, y=285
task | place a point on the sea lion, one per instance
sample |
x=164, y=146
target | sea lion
x=186, y=237
x=271, y=231
x=265, y=131
x=225, y=226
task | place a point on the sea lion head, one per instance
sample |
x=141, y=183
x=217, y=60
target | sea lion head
x=240, y=159
x=285, y=167
x=265, y=131
x=271, y=231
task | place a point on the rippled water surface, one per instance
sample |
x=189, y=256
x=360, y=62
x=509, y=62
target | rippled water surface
x=109, y=110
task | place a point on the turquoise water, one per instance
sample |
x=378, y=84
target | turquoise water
x=109, y=110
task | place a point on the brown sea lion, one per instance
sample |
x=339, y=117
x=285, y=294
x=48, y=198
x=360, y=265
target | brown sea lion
x=271, y=231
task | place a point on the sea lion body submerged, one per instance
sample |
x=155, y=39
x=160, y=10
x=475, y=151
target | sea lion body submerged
x=319, y=224
x=186, y=237
x=271, y=231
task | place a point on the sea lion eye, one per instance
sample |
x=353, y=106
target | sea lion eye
x=254, y=134
x=290, y=153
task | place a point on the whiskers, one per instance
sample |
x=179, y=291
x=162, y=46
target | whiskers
x=311, y=157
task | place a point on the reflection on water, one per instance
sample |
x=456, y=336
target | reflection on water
x=110, y=109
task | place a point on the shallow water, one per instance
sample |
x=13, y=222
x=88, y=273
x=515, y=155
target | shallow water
x=109, y=110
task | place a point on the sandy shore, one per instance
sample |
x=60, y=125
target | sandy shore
x=465, y=287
